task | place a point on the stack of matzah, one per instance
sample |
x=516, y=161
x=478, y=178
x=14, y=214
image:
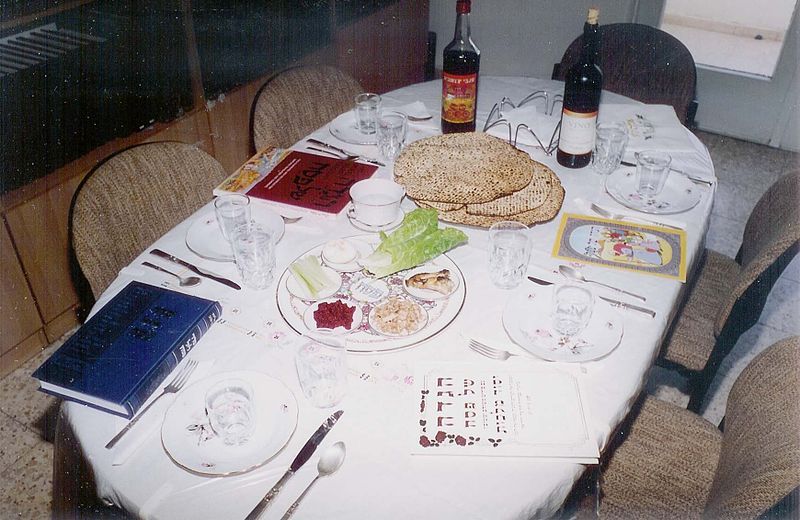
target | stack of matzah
x=476, y=179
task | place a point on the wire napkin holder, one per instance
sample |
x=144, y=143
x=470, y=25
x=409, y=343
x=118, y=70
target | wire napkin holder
x=550, y=101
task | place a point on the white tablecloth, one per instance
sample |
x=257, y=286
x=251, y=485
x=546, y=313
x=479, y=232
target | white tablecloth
x=379, y=478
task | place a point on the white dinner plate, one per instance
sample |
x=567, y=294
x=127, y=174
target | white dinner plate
x=344, y=129
x=679, y=193
x=189, y=441
x=204, y=236
x=527, y=321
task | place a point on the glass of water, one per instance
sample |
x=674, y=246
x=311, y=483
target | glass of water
x=572, y=309
x=322, y=369
x=254, y=252
x=609, y=147
x=229, y=405
x=392, y=128
x=366, y=110
x=509, y=252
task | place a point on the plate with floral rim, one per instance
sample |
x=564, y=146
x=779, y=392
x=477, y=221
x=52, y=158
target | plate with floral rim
x=190, y=442
x=527, y=320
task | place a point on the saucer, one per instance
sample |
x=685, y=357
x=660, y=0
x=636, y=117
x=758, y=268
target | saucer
x=344, y=129
x=373, y=229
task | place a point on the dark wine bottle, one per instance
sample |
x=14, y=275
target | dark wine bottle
x=460, y=65
x=582, y=86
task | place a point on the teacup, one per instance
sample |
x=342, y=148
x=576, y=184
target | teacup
x=376, y=202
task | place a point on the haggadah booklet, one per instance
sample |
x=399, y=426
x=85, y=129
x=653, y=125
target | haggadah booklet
x=467, y=409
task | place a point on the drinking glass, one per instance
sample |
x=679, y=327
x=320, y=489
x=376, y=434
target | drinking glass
x=509, y=252
x=229, y=405
x=322, y=369
x=231, y=211
x=609, y=147
x=572, y=308
x=392, y=128
x=367, y=107
x=254, y=252
x=652, y=170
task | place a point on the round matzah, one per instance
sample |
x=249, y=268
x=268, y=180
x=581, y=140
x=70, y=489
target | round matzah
x=462, y=168
x=530, y=197
x=442, y=206
x=543, y=213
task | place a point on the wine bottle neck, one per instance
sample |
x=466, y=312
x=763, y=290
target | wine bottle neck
x=591, y=42
x=462, y=32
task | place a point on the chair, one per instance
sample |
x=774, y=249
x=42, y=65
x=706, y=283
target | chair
x=727, y=295
x=131, y=199
x=643, y=63
x=299, y=100
x=672, y=463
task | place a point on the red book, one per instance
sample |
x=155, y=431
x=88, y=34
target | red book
x=311, y=182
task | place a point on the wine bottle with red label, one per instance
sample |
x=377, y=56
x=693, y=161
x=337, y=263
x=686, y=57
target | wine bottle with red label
x=460, y=76
x=582, y=86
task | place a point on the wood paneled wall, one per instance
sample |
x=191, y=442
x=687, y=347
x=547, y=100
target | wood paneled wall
x=38, y=303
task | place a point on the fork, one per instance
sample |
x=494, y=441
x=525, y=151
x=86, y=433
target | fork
x=490, y=352
x=172, y=387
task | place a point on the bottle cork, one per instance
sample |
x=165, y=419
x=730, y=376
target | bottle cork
x=591, y=18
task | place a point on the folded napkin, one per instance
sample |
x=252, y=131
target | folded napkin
x=649, y=127
x=542, y=124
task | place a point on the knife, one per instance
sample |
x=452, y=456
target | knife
x=305, y=453
x=342, y=150
x=539, y=281
x=195, y=269
x=688, y=176
x=629, y=306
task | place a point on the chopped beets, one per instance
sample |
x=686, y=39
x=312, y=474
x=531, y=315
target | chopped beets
x=334, y=314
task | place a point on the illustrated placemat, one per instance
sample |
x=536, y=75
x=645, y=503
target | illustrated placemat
x=653, y=250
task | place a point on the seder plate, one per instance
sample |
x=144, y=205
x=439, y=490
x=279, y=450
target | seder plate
x=369, y=292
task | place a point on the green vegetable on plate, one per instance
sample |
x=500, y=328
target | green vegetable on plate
x=416, y=241
x=309, y=274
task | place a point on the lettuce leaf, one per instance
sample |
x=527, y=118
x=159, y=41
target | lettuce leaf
x=416, y=241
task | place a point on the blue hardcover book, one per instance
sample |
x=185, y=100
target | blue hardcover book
x=123, y=353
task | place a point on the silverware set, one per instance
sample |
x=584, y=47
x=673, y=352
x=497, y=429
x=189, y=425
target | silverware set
x=302, y=457
x=342, y=153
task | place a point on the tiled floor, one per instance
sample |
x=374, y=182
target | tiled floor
x=27, y=417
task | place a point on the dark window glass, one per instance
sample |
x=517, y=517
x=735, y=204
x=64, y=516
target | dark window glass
x=241, y=40
x=82, y=77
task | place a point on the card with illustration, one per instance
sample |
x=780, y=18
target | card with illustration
x=617, y=244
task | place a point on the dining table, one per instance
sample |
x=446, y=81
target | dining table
x=381, y=476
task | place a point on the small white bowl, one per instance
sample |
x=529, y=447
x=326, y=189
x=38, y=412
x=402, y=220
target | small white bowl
x=376, y=202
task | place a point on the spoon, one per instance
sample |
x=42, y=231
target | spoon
x=574, y=274
x=328, y=464
x=189, y=281
x=619, y=216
